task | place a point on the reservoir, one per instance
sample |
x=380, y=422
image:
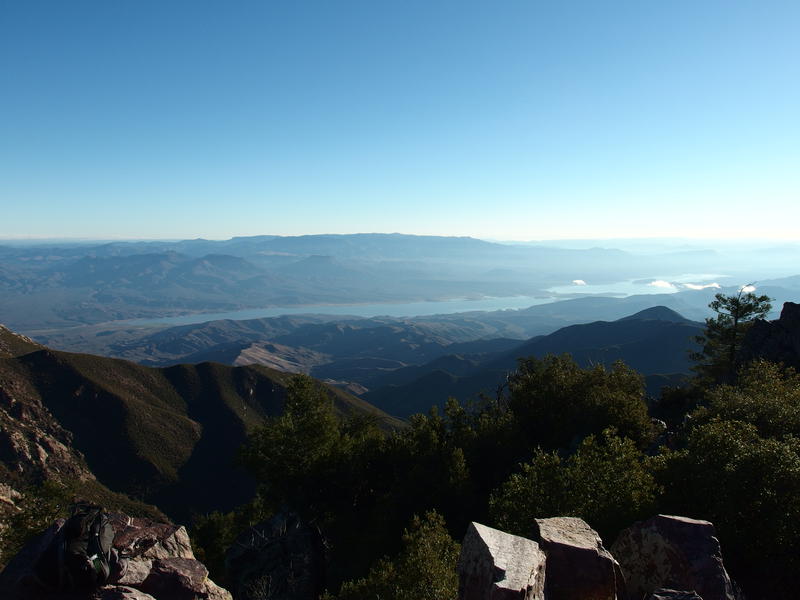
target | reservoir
x=575, y=289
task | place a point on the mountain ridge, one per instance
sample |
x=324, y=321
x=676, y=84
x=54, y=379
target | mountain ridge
x=653, y=347
x=159, y=434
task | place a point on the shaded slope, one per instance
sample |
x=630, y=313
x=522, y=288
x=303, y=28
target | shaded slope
x=164, y=435
x=651, y=345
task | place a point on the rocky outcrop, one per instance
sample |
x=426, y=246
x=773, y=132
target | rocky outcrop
x=673, y=552
x=8, y=497
x=578, y=566
x=565, y=561
x=8, y=504
x=281, y=559
x=500, y=566
x=145, y=539
x=33, y=445
x=663, y=558
x=776, y=341
x=157, y=563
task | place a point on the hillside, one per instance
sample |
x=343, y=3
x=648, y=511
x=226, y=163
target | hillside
x=654, y=341
x=14, y=344
x=340, y=349
x=168, y=436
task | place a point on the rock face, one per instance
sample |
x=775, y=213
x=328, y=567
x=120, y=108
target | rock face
x=776, y=341
x=280, y=559
x=498, y=566
x=157, y=563
x=578, y=567
x=33, y=444
x=674, y=552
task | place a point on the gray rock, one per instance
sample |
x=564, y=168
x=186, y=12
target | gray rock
x=578, y=566
x=498, y=566
x=135, y=571
x=676, y=553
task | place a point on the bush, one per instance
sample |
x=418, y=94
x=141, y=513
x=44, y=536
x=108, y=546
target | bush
x=607, y=482
x=766, y=396
x=749, y=487
x=556, y=403
x=425, y=568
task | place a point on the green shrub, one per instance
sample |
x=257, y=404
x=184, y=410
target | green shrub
x=425, y=568
x=607, y=482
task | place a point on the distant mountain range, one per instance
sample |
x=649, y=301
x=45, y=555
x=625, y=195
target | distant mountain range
x=62, y=285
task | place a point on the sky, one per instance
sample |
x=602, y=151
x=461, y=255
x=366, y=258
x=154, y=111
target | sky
x=498, y=120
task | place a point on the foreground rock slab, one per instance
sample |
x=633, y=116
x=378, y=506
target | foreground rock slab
x=498, y=566
x=578, y=566
x=674, y=552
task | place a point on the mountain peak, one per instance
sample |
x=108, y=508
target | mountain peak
x=656, y=313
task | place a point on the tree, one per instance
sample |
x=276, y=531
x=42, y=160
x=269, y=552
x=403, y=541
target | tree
x=749, y=487
x=721, y=340
x=289, y=454
x=607, y=482
x=425, y=568
x=555, y=403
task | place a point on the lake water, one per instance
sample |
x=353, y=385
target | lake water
x=654, y=285
x=666, y=284
x=401, y=309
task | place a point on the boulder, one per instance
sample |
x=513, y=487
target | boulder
x=143, y=538
x=135, y=572
x=498, y=566
x=676, y=553
x=176, y=578
x=578, y=566
x=281, y=559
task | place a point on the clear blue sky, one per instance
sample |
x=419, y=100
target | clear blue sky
x=508, y=120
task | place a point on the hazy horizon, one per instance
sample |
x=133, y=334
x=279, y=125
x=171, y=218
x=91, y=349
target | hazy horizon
x=667, y=240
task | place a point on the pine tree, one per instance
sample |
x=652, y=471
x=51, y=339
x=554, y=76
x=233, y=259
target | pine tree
x=721, y=340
